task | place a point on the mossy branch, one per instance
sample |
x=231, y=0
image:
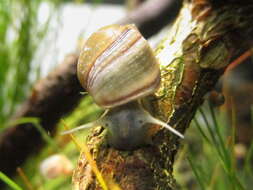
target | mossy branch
x=200, y=45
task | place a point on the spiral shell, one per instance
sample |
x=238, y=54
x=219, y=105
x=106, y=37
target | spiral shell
x=55, y=166
x=117, y=65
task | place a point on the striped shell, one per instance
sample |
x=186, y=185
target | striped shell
x=117, y=65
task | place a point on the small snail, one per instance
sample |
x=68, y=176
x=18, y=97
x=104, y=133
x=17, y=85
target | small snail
x=55, y=166
x=118, y=67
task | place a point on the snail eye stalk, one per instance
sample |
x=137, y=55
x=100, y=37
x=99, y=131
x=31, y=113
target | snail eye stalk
x=85, y=126
x=150, y=119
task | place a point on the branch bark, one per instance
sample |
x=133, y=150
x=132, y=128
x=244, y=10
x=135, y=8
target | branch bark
x=193, y=56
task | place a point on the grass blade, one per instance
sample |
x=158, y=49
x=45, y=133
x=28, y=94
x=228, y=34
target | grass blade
x=25, y=179
x=248, y=160
x=225, y=152
x=36, y=123
x=201, y=131
x=9, y=181
x=211, y=133
x=196, y=173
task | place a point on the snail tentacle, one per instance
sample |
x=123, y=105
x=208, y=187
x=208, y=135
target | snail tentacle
x=151, y=119
x=85, y=126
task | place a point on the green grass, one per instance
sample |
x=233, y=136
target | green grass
x=20, y=36
x=9, y=182
x=210, y=154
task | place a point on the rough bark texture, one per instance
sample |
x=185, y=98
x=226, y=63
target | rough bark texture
x=193, y=56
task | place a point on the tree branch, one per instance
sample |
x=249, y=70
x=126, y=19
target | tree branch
x=150, y=16
x=193, y=57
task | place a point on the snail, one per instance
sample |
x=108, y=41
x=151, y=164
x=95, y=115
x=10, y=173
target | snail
x=55, y=166
x=118, y=68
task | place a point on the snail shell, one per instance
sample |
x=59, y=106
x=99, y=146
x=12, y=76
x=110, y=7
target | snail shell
x=55, y=166
x=117, y=66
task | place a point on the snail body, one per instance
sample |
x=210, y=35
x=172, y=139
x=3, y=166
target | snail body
x=117, y=67
x=125, y=130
